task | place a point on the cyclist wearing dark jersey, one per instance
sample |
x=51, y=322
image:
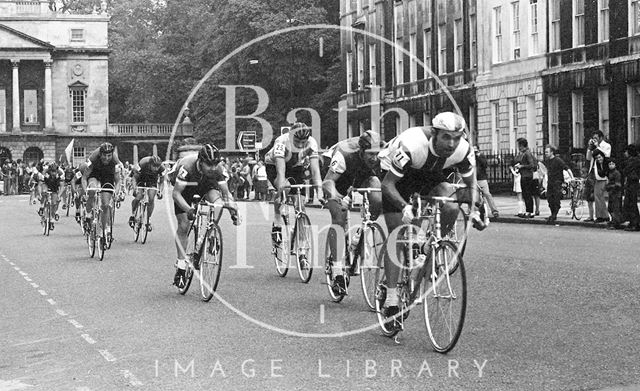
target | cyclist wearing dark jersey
x=192, y=175
x=354, y=163
x=76, y=184
x=286, y=161
x=147, y=173
x=417, y=161
x=52, y=179
x=101, y=173
x=69, y=173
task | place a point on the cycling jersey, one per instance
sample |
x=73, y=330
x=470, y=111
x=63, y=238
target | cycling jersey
x=104, y=173
x=69, y=173
x=187, y=170
x=347, y=161
x=411, y=157
x=52, y=179
x=295, y=158
x=145, y=173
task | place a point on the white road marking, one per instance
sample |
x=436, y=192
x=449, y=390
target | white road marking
x=42, y=292
x=75, y=323
x=322, y=313
x=16, y=268
x=33, y=284
x=107, y=356
x=51, y=301
x=28, y=279
x=23, y=273
x=133, y=380
x=88, y=338
x=10, y=385
x=61, y=312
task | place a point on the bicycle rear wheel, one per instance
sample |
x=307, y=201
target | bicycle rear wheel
x=371, y=263
x=330, y=257
x=380, y=298
x=282, y=252
x=46, y=220
x=445, y=297
x=304, y=247
x=211, y=262
x=579, y=208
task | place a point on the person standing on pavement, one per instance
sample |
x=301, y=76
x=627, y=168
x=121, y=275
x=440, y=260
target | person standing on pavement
x=600, y=170
x=483, y=184
x=555, y=178
x=614, y=188
x=596, y=144
x=525, y=163
x=631, y=175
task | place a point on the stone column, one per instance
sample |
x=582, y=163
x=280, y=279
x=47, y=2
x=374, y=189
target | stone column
x=48, y=96
x=155, y=149
x=135, y=153
x=15, y=64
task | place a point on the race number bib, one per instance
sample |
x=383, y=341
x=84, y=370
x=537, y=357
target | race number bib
x=400, y=158
x=279, y=150
x=182, y=174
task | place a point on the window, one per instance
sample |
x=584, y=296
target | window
x=577, y=115
x=399, y=20
x=79, y=154
x=349, y=71
x=413, y=15
x=533, y=26
x=513, y=124
x=399, y=63
x=603, y=20
x=358, y=7
x=347, y=7
x=578, y=23
x=633, y=133
x=426, y=43
x=360, y=62
x=413, y=63
x=554, y=36
x=457, y=39
x=634, y=17
x=554, y=133
x=442, y=49
x=77, y=35
x=78, y=97
x=30, y=107
x=603, y=110
x=427, y=13
x=497, y=35
x=372, y=64
x=515, y=24
x=473, y=39
x=495, y=126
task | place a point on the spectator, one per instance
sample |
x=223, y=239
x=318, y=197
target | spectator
x=596, y=143
x=525, y=163
x=483, y=184
x=631, y=175
x=261, y=182
x=614, y=188
x=518, y=190
x=600, y=171
x=555, y=178
x=537, y=185
x=245, y=172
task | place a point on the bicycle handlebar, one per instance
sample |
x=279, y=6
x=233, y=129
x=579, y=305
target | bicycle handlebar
x=146, y=188
x=99, y=190
x=296, y=186
x=366, y=189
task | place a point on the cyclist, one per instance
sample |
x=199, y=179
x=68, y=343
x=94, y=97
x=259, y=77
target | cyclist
x=101, y=173
x=192, y=175
x=76, y=184
x=417, y=161
x=354, y=162
x=52, y=179
x=286, y=160
x=69, y=173
x=147, y=173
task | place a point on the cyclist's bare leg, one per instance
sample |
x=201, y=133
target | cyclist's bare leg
x=339, y=227
x=91, y=183
x=375, y=198
x=136, y=201
x=152, y=203
x=181, y=239
x=391, y=257
x=106, y=209
x=448, y=211
x=55, y=202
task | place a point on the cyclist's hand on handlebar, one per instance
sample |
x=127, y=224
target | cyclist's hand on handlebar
x=407, y=214
x=345, y=202
x=191, y=214
x=476, y=221
x=159, y=195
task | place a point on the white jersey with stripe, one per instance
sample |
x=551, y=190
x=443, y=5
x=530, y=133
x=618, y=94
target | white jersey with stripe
x=293, y=156
x=413, y=149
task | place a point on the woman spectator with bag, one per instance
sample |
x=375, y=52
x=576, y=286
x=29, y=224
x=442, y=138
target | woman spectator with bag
x=525, y=163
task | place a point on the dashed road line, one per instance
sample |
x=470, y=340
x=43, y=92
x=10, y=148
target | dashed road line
x=11, y=385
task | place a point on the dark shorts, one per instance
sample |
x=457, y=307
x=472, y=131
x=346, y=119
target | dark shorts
x=201, y=189
x=294, y=174
x=346, y=181
x=104, y=177
x=413, y=182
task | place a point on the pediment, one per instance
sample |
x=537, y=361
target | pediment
x=13, y=39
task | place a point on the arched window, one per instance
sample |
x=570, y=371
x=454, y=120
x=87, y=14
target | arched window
x=32, y=155
x=5, y=154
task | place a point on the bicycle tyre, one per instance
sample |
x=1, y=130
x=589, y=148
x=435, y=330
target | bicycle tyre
x=328, y=257
x=143, y=227
x=68, y=201
x=211, y=262
x=47, y=219
x=304, y=247
x=579, y=209
x=91, y=239
x=188, y=274
x=100, y=240
x=282, y=253
x=371, y=262
x=442, y=291
x=381, y=296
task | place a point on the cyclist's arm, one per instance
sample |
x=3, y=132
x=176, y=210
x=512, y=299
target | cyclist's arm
x=316, y=178
x=329, y=185
x=177, y=195
x=134, y=180
x=85, y=178
x=390, y=191
x=472, y=185
x=227, y=197
x=281, y=169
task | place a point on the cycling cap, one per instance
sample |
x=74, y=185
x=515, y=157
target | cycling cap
x=449, y=121
x=156, y=161
x=369, y=139
x=300, y=131
x=106, y=148
x=209, y=154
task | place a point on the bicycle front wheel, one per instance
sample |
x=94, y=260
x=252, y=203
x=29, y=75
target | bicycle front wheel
x=282, y=251
x=330, y=258
x=211, y=262
x=445, y=296
x=46, y=220
x=68, y=201
x=371, y=262
x=91, y=239
x=144, y=218
x=304, y=247
x=579, y=208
